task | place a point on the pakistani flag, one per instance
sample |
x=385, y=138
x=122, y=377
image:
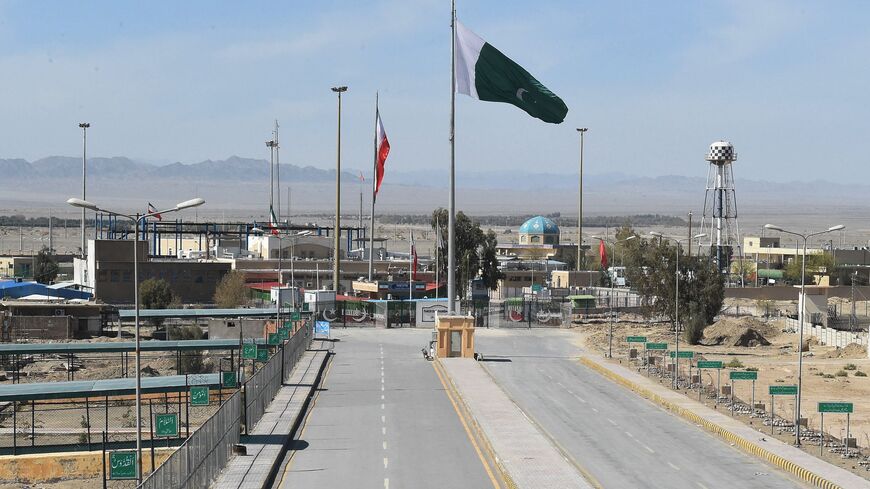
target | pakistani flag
x=484, y=73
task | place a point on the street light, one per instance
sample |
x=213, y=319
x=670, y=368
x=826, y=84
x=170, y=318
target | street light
x=801, y=310
x=336, y=264
x=610, y=298
x=84, y=126
x=84, y=204
x=582, y=131
x=677, y=299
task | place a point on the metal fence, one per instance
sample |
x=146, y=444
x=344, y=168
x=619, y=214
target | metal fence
x=199, y=460
x=204, y=454
x=261, y=388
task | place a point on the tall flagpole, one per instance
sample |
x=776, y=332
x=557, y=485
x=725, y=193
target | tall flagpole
x=437, y=250
x=374, y=182
x=451, y=238
x=411, y=267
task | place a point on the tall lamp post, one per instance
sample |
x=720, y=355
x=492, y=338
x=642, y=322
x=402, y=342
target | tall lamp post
x=582, y=131
x=610, y=298
x=802, y=308
x=677, y=299
x=336, y=263
x=84, y=126
x=84, y=204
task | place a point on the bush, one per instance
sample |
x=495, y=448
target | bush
x=860, y=374
x=231, y=291
x=191, y=362
x=734, y=363
x=850, y=366
x=694, y=327
x=752, y=369
x=827, y=376
x=841, y=373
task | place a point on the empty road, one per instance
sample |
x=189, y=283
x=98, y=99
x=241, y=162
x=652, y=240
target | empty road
x=621, y=439
x=383, y=419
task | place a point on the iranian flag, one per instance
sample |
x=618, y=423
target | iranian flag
x=484, y=73
x=602, y=252
x=273, y=221
x=381, y=151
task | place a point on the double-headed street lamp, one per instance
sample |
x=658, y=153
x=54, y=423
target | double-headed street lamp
x=677, y=299
x=336, y=264
x=137, y=219
x=610, y=298
x=802, y=308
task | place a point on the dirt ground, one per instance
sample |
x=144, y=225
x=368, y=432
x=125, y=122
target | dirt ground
x=829, y=374
x=71, y=484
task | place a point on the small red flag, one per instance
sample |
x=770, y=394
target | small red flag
x=602, y=251
x=383, y=150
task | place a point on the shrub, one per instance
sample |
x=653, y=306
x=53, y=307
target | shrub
x=841, y=373
x=860, y=374
x=850, y=366
x=734, y=363
x=752, y=369
x=828, y=376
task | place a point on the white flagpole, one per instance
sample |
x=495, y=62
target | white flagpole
x=411, y=267
x=374, y=182
x=437, y=250
x=451, y=238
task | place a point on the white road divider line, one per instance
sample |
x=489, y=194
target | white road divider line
x=650, y=450
x=612, y=422
x=385, y=462
x=673, y=466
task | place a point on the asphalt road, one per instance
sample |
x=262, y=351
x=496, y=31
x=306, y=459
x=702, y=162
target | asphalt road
x=383, y=420
x=620, y=438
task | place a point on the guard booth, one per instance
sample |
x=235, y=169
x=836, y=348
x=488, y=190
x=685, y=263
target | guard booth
x=455, y=336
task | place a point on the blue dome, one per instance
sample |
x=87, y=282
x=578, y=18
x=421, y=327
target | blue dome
x=539, y=225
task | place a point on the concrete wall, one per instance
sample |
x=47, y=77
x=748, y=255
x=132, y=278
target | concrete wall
x=228, y=329
x=791, y=293
x=49, y=467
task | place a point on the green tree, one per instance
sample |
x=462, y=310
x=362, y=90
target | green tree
x=231, y=291
x=475, y=250
x=155, y=294
x=817, y=264
x=190, y=362
x=44, y=266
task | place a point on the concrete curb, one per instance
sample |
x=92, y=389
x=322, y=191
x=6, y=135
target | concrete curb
x=481, y=436
x=742, y=443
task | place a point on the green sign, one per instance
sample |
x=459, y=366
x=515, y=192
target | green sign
x=743, y=375
x=835, y=407
x=122, y=464
x=295, y=316
x=536, y=287
x=283, y=334
x=274, y=339
x=288, y=325
x=709, y=364
x=782, y=390
x=166, y=425
x=199, y=395
x=684, y=354
x=636, y=339
x=249, y=351
x=262, y=355
x=229, y=380
x=656, y=346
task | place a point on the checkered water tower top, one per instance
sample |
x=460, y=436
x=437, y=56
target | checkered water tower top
x=721, y=152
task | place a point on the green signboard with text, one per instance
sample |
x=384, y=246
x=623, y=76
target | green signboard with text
x=684, y=354
x=122, y=464
x=283, y=334
x=656, y=346
x=262, y=355
x=229, y=379
x=295, y=316
x=782, y=390
x=835, y=407
x=249, y=351
x=274, y=339
x=743, y=375
x=199, y=395
x=636, y=339
x=166, y=425
x=709, y=364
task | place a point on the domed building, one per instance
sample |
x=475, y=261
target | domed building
x=539, y=230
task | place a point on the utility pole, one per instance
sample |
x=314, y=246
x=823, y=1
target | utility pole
x=277, y=174
x=84, y=126
x=580, y=260
x=689, y=244
x=336, y=266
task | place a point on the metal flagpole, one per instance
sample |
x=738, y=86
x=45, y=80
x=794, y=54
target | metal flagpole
x=411, y=267
x=451, y=238
x=277, y=174
x=374, y=183
x=437, y=250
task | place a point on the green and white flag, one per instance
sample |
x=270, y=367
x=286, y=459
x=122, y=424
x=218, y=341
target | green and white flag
x=484, y=73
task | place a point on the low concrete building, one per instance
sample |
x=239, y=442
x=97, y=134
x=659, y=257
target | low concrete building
x=59, y=320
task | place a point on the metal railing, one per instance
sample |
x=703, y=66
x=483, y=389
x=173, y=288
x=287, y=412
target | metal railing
x=202, y=456
x=199, y=460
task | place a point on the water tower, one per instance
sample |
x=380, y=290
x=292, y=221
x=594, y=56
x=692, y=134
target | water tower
x=720, y=205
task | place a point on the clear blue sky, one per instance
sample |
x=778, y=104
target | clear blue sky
x=656, y=82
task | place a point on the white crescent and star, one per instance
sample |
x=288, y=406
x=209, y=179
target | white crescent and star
x=520, y=93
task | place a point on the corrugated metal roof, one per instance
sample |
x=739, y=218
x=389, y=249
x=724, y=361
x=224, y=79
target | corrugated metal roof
x=118, y=346
x=101, y=388
x=205, y=313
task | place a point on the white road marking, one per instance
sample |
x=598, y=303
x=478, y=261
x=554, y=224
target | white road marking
x=595, y=410
x=612, y=422
x=579, y=398
x=386, y=483
x=382, y=386
x=560, y=384
x=385, y=445
x=383, y=419
x=702, y=486
x=382, y=397
x=673, y=466
x=382, y=405
x=383, y=430
x=629, y=434
x=650, y=450
x=385, y=462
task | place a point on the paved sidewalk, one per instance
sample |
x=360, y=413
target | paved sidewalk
x=265, y=442
x=528, y=457
x=782, y=455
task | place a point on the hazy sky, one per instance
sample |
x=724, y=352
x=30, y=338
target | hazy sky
x=656, y=82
